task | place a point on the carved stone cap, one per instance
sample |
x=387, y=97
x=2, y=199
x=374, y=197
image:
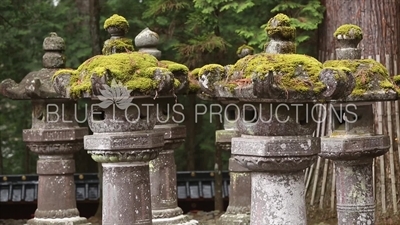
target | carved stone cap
x=274, y=78
x=38, y=84
x=372, y=80
x=140, y=73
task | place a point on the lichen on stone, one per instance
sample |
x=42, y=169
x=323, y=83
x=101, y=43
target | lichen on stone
x=194, y=86
x=349, y=31
x=117, y=21
x=117, y=45
x=369, y=75
x=291, y=71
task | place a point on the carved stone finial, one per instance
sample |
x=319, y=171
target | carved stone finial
x=117, y=26
x=54, y=47
x=38, y=84
x=147, y=41
x=282, y=35
x=348, y=37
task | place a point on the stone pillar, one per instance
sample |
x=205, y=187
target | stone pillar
x=163, y=170
x=238, y=211
x=277, y=102
x=351, y=141
x=55, y=136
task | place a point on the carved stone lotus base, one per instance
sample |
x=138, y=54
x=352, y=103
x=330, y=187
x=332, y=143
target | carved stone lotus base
x=277, y=177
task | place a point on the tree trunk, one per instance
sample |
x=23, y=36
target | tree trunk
x=381, y=32
x=190, y=146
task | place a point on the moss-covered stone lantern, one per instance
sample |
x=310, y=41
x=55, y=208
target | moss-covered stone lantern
x=277, y=93
x=124, y=88
x=351, y=141
x=55, y=136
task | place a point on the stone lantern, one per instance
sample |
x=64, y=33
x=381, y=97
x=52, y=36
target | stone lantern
x=351, y=141
x=277, y=94
x=124, y=89
x=55, y=136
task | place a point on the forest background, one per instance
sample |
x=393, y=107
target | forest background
x=192, y=32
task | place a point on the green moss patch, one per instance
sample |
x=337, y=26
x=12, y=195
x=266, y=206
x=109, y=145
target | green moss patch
x=279, y=27
x=350, y=30
x=118, y=45
x=365, y=72
x=117, y=21
x=291, y=71
x=241, y=48
x=211, y=68
x=174, y=67
x=134, y=69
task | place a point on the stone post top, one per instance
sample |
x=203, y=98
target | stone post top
x=277, y=75
x=371, y=78
x=38, y=84
x=244, y=50
x=116, y=25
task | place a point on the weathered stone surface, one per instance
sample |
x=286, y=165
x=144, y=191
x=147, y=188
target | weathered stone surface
x=147, y=42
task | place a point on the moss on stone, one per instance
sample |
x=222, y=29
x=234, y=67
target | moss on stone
x=117, y=21
x=349, y=30
x=241, y=48
x=63, y=71
x=280, y=20
x=118, y=45
x=124, y=67
x=195, y=72
x=211, y=68
x=396, y=78
x=279, y=27
x=364, y=71
x=174, y=67
x=291, y=71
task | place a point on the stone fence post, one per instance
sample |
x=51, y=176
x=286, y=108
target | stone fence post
x=55, y=136
x=351, y=141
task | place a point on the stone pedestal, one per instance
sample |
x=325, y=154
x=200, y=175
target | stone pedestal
x=277, y=179
x=164, y=202
x=352, y=147
x=238, y=211
x=125, y=159
x=55, y=136
x=55, y=141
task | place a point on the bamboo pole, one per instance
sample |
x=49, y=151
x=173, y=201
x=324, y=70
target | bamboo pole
x=316, y=174
x=326, y=162
x=391, y=154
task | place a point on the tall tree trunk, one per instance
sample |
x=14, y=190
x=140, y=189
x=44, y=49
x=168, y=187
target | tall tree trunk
x=190, y=146
x=381, y=34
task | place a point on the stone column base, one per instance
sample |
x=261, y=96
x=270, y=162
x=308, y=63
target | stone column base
x=171, y=217
x=59, y=221
x=234, y=219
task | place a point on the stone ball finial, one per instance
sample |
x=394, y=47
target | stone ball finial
x=147, y=41
x=281, y=34
x=244, y=50
x=54, y=46
x=116, y=25
x=348, y=37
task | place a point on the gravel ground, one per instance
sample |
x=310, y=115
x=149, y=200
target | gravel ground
x=205, y=218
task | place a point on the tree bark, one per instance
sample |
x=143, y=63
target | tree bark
x=381, y=34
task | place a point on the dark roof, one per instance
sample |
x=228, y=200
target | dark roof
x=190, y=185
